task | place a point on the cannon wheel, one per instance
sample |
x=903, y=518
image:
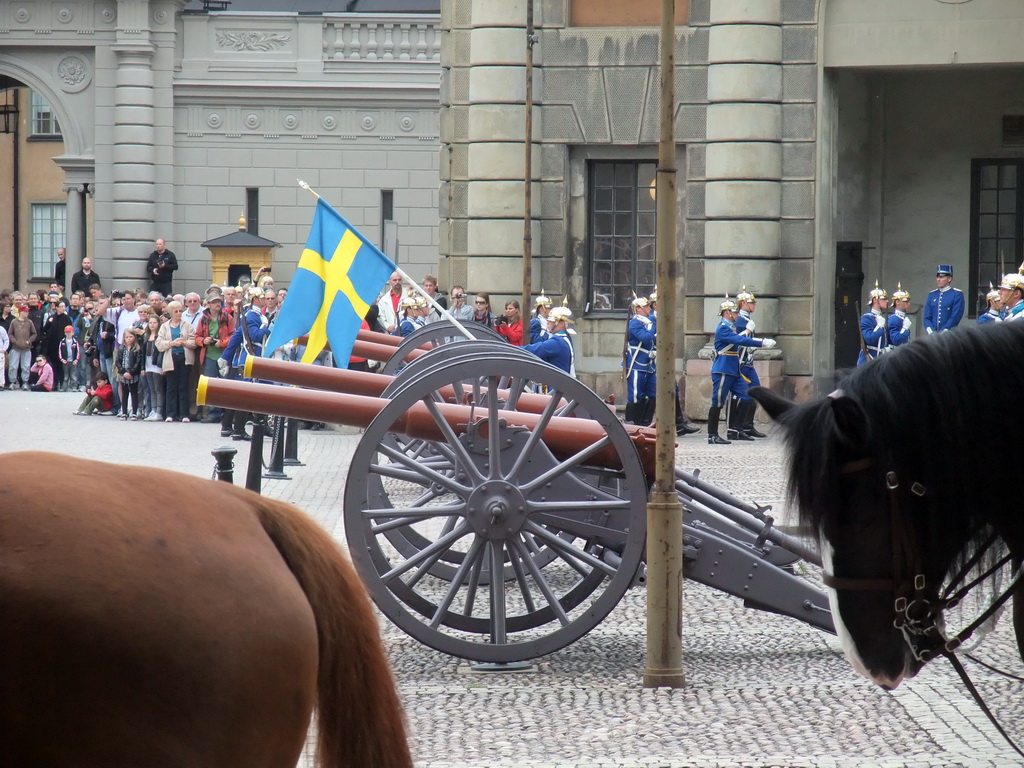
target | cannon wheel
x=504, y=494
x=407, y=540
x=437, y=334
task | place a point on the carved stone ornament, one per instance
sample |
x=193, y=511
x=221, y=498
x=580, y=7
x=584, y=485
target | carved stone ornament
x=253, y=41
x=22, y=14
x=73, y=73
x=65, y=15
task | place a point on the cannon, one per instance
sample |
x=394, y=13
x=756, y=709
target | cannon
x=496, y=523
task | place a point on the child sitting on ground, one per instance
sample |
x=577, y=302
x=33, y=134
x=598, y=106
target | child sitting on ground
x=40, y=377
x=98, y=398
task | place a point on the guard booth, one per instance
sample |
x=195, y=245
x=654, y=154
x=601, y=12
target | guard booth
x=239, y=255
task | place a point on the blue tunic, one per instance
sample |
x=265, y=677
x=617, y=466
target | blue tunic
x=898, y=336
x=726, y=376
x=992, y=316
x=876, y=337
x=743, y=323
x=943, y=310
x=538, y=329
x=258, y=328
x=556, y=349
x=641, y=335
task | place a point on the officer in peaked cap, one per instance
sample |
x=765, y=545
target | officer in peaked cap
x=741, y=414
x=899, y=324
x=725, y=369
x=944, y=307
x=874, y=332
x=994, y=313
x=1011, y=290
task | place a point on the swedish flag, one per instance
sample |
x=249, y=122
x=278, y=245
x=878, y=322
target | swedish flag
x=339, y=276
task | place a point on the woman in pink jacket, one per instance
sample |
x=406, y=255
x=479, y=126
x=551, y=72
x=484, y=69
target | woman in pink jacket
x=40, y=376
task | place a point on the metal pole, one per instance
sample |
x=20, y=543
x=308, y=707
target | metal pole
x=225, y=467
x=528, y=171
x=276, y=469
x=665, y=512
x=291, y=444
x=254, y=470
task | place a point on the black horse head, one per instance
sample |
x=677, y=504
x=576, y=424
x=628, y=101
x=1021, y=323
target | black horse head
x=899, y=475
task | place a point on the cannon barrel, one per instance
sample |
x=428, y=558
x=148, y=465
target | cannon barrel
x=344, y=381
x=565, y=437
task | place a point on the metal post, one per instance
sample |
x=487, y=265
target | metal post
x=276, y=469
x=225, y=467
x=664, y=511
x=254, y=471
x=528, y=172
x=291, y=443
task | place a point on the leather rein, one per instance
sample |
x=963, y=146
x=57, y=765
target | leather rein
x=918, y=606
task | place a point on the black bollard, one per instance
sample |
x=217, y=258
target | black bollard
x=276, y=469
x=225, y=467
x=291, y=443
x=254, y=472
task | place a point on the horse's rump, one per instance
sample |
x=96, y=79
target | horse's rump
x=169, y=631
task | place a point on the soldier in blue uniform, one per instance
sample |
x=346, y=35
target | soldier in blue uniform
x=725, y=370
x=252, y=327
x=944, y=307
x=874, y=332
x=741, y=414
x=557, y=347
x=539, y=321
x=994, y=313
x=1011, y=290
x=641, y=333
x=683, y=427
x=899, y=323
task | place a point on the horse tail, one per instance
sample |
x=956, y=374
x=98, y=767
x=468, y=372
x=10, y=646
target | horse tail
x=359, y=716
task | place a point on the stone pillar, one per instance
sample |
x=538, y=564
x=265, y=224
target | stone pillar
x=483, y=155
x=743, y=191
x=74, y=236
x=134, y=162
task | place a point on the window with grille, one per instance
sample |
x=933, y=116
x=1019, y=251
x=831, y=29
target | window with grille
x=49, y=225
x=997, y=224
x=621, y=234
x=44, y=122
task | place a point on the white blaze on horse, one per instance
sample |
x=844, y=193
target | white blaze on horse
x=903, y=476
x=151, y=618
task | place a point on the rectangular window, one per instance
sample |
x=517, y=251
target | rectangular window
x=621, y=232
x=43, y=122
x=997, y=225
x=252, y=211
x=49, y=225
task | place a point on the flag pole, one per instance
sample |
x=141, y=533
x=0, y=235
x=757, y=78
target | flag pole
x=434, y=304
x=413, y=283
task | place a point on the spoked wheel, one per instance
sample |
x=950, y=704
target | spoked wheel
x=502, y=496
x=435, y=335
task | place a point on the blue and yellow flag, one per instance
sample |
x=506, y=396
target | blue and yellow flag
x=339, y=276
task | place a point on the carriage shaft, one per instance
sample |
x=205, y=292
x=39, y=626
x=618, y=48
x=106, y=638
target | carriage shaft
x=564, y=436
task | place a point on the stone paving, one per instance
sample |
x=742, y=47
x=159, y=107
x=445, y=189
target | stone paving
x=761, y=690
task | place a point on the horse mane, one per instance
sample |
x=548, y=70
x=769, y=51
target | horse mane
x=936, y=409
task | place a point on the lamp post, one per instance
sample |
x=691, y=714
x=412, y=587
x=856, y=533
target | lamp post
x=664, y=510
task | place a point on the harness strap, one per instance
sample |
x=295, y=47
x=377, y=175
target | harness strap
x=969, y=685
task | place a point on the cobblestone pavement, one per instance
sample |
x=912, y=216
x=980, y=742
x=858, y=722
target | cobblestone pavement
x=761, y=690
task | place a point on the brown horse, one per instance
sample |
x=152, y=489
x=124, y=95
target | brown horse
x=149, y=618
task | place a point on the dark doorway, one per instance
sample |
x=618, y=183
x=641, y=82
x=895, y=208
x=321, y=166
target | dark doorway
x=237, y=271
x=849, y=284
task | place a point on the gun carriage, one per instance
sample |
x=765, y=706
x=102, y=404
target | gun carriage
x=496, y=508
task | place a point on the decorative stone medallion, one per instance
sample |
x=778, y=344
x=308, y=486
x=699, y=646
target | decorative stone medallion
x=73, y=73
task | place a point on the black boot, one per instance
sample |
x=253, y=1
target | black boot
x=238, y=426
x=682, y=427
x=737, y=413
x=750, y=407
x=648, y=413
x=714, y=413
x=630, y=416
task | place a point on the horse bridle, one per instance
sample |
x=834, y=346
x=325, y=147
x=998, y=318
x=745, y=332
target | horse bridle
x=918, y=606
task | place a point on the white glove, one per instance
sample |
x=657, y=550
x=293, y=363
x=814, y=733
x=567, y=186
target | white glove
x=907, y=323
x=767, y=343
x=750, y=326
x=222, y=366
x=930, y=331
x=880, y=322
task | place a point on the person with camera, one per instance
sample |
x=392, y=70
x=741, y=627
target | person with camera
x=482, y=310
x=511, y=325
x=160, y=268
